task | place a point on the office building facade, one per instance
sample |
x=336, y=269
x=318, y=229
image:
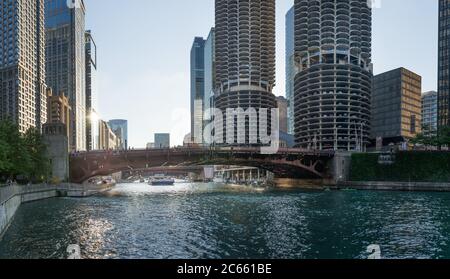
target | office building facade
x=120, y=128
x=22, y=63
x=245, y=65
x=58, y=110
x=282, y=104
x=396, y=106
x=162, y=140
x=108, y=140
x=444, y=64
x=290, y=66
x=66, y=63
x=333, y=84
x=91, y=92
x=210, y=82
x=430, y=112
x=197, y=88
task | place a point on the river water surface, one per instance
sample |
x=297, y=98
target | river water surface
x=212, y=221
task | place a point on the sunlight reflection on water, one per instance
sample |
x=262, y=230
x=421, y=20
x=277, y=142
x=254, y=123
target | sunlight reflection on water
x=219, y=221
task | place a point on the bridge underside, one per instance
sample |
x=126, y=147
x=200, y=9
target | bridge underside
x=307, y=166
x=177, y=171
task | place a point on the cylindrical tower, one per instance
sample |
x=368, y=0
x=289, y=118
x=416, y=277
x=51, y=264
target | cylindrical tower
x=333, y=41
x=245, y=55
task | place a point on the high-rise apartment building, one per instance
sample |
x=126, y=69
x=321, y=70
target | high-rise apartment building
x=91, y=93
x=22, y=63
x=444, y=64
x=430, y=112
x=333, y=45
x=120, y=128
x=66, y=63
x=197, y=88
x=290, y=66
x=245, y=64
x=396, y=106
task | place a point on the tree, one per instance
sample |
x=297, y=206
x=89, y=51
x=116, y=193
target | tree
x=22, y=156
x=441, y=138
x=39, y=166
x=16, y=159
x=5, y=150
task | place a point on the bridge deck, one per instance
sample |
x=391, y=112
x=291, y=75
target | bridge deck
x=207, y=151
x=285, y=163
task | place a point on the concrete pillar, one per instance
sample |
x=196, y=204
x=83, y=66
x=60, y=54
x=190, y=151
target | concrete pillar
x=340, y=166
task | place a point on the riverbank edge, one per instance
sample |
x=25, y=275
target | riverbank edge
x=394, y=186
x=11, y=197
x=329, y=184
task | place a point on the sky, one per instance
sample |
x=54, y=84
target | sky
x=143, y=50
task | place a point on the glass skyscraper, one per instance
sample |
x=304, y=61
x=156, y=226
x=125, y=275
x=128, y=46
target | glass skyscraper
x=290, y=67
x=430, y=112
x=120, y=129
x=444, y=63
x=22, y=63
x=162, y=140
x=91, y=93
x=210, y=75
x=197, y=88
x=66, y=63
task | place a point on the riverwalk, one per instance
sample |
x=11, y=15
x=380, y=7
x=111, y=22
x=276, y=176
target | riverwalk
x=12, y=196
x=395, y=186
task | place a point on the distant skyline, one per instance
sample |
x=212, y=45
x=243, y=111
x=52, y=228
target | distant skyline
x=144, y=55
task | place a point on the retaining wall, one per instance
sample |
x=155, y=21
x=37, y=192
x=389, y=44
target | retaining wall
x=11, y=197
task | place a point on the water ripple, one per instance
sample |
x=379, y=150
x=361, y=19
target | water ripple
x=210, y=221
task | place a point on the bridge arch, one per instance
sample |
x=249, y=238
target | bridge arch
x=287, y=163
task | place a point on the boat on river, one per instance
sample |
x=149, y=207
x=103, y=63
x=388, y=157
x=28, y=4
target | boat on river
x=161, y=180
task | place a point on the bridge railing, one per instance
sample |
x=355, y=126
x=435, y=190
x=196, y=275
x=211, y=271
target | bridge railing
x=200, y=150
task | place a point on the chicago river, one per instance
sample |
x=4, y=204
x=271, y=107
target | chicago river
x=216, y=221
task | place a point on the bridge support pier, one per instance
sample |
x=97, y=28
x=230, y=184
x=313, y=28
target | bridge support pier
x=339, y=168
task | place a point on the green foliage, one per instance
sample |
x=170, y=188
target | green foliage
x=408, y=166
x=22, y=155
x=37, y=151
x=441, y=138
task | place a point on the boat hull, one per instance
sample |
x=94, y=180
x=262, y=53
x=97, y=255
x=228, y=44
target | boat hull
x=162, y=183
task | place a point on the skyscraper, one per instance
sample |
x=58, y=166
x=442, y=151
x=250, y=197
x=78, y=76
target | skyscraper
x=91, y=94
x=197, y=88
x=245, y=61
x=282, y=104
x=66, y=63
x=120, y=128
x=333, y=41
x=162, y=140
x=22, y=56
x=430, y=112
x=108, y=139
x=290, y=66
x=444, y=63
x=210, y=76
x=396, y=106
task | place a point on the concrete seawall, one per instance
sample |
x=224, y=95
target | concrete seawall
x=11, y=197
x=396, y=186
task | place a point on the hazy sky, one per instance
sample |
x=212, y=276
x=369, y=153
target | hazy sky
x=144, y=46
